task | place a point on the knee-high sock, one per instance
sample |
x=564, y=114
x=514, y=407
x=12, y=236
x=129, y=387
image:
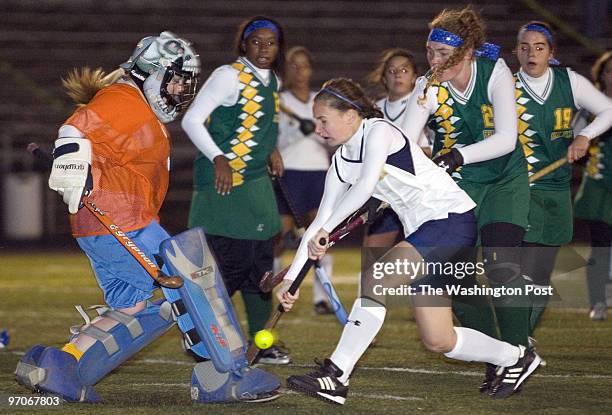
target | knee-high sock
x=475, y=311
x=328, y=264
x=318, y=293
x=363, y=325
x=513, y=313
x=474, y=346
x=538, y=306
x=258, y=310
x=597, y=274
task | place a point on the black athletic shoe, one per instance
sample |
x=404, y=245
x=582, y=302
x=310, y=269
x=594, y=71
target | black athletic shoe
x=323, y=383
x=323, y=307
x=275, y=355
x=508, y=380
x=490, y=372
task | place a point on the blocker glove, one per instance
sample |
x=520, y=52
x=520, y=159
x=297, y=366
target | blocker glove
x=71, y=172
x=450, y=161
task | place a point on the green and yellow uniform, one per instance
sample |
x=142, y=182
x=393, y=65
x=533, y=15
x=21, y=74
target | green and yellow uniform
x=545, y=133
x=246, y=133
x=498, y=186
x=594, y=199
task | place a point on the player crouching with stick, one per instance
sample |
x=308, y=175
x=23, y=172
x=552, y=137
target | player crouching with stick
x=376, y=159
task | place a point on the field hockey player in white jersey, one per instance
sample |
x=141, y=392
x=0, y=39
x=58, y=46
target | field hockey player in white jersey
x=375, y=158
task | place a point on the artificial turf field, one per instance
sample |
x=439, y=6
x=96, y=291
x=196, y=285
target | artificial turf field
x=397, y=376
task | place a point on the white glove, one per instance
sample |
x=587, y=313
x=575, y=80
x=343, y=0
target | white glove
x=71, y=172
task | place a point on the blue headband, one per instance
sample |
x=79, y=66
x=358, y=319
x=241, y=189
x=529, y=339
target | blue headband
x=540, y=29
x=534, y=27
x=259, y=24
x=448, y=38
x=488, y=50
x=341, y=97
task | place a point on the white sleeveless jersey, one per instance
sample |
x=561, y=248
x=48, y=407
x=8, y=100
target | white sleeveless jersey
x=415, y=188
x=396, y=113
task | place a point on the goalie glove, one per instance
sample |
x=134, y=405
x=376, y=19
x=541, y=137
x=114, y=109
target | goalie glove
x=71, y=172
x=450, y=161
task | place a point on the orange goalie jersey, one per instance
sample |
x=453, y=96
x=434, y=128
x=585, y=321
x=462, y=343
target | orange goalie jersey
x=130, y=154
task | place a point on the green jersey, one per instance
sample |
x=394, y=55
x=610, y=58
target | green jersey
x=599, y=165
x=246, y=132
x=545, y=126
x=463, y=120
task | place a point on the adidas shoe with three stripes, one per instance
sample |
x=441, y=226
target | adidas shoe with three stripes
x=323, y=383
x=508, y=380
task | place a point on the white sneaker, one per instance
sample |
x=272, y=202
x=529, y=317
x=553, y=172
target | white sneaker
x=599, y=312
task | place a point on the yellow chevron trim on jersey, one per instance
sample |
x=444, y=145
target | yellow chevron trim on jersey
x=523, y=127
x=237, y=164
x=249, y=122
x=442, y=94
x=245, y=78
x=594, y=165
x=249, y=99
x=245, y=135
x=237, y=179
x=251, y=107
x=249, y=92
x=445, y=112
x=238, y=66
x=241, y=149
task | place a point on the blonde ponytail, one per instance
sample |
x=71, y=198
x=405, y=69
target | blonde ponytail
x=82, y=84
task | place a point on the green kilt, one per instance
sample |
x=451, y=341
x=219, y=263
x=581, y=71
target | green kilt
x=248, y=212
x=550, y=217
x=594, y=201
x=504, y=201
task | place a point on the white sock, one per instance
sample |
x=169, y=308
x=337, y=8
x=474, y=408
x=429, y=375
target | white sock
x=474, y=346
x=277, y=265
x=327, y=262
x=318, y=293
x=355, y=337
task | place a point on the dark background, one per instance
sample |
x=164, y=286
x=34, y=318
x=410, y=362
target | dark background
x=41, y=40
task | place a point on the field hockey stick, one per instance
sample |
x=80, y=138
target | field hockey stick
x=320, y=273
x=150, y=266
x=548, y=169
x=269, y=280
x=307, y=126
x=332, y=295
x=253, y=350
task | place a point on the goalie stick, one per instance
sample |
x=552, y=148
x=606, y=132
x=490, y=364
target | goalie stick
x=150, y=266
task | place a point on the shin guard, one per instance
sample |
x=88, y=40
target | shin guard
x=203, y=306
x=50, y=370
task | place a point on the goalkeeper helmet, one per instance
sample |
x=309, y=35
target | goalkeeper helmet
x=156, y=64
